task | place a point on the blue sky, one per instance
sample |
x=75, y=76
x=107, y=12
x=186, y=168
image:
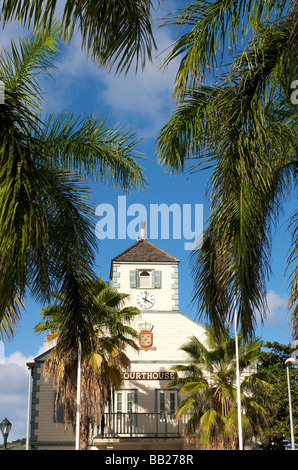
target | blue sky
x=143, y=102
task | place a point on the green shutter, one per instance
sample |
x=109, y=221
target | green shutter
x=119, y=402
x=172, y=402
x=162, y=402
x=133, y=278
x=156, y=279
x=129, y=402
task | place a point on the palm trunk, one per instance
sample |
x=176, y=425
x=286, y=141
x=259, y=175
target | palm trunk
x=84, y=434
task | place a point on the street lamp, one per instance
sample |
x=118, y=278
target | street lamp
x=290, y=362
x=238, y=378
x=5, y=427
x=30, y=365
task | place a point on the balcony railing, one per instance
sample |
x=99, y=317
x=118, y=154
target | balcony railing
x=161, y=424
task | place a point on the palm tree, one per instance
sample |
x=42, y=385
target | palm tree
x=47, y=238
x=111, y=32
x=244, y=128
x=103, y=358
x=208, y=387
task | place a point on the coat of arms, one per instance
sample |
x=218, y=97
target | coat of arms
x=146, y=336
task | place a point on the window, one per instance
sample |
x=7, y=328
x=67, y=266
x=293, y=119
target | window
x=167, y=402
x=145, y=278
x=125, y=401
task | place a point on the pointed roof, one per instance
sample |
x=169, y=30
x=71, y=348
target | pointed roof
x=145, y=251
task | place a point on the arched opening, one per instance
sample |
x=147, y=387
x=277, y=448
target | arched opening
x=144, y=279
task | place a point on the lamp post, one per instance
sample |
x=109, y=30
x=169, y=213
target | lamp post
x=30, y=365
x=290, y=362
x=78, y=416
x=5, y=427
x=238, y=379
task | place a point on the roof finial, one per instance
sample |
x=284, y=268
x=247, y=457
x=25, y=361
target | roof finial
x=143, y=230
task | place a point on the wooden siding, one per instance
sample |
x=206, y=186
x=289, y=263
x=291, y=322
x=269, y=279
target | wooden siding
x=44, y=428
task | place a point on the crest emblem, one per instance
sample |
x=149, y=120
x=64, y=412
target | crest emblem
x=146, y=336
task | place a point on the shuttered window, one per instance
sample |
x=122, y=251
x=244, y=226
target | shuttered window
x=145, y=278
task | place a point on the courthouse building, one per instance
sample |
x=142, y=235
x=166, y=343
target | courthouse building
x=143, y=414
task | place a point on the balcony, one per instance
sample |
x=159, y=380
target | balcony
x=150, y=425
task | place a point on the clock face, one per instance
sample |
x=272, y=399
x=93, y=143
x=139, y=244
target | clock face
x=145, y=299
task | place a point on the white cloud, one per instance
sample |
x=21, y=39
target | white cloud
x=11, y=31
x=141, y=100
x=14, y=377
x=276, y=326
x=14, y=384
x=277, y=308
x=17, y=358
x=143, y=97
x=45, y=347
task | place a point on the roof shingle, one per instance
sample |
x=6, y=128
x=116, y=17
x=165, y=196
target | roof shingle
x=145, y=251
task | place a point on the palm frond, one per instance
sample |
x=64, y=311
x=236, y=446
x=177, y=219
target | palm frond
x=209, y=393
x=111, y=33
x=245, y=128
x=212, y=31
x=24, y=62
x=47, y=238
x=99, y=152
x=11, y=318
x=293, y=260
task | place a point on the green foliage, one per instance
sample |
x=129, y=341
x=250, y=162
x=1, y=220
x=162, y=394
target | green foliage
x=47, y=239
x=208, y=389
x=19, y=444
x=103, y=338
x=102, y=312
x=241, y=123
x=113, y=33
x=273, y=362
x=209, y=29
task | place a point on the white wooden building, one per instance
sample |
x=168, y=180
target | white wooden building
x=143, y=415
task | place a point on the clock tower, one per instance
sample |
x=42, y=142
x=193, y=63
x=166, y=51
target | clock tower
x=149, y=275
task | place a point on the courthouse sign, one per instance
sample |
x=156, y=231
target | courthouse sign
x=162, y=375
